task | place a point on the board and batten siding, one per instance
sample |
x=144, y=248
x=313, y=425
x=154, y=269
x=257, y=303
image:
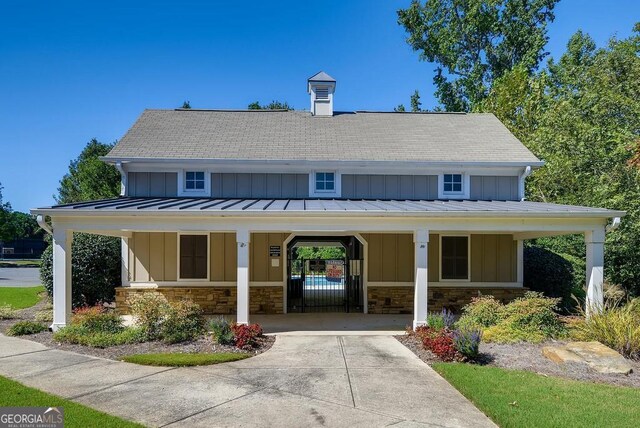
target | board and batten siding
x=256, y=185
x=376, y=186
x=152, y=184
x=498, y=188
x=153, y=257
x=391, y=258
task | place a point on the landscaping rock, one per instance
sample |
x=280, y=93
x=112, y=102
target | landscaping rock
x=594, y=354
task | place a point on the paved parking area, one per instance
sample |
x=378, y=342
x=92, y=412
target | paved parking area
x=331, y=381
x=19, y=277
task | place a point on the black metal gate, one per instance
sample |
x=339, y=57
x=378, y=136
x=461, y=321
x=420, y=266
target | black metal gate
x=324, y=285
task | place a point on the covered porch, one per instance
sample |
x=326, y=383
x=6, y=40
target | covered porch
x=258, y=225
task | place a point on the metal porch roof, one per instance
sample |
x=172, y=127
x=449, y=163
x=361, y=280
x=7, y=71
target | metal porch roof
x=338, y=207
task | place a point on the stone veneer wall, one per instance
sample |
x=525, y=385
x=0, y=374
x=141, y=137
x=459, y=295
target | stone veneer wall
x=399, y=300
x=213, y=300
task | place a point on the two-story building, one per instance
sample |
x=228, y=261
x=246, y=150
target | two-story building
x=430, y=208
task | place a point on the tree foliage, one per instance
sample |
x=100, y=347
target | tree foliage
x=273, y=105
x=319, y=253
x=582, y=116
x=474, y=42
x=6, y=225
x=89, y=178
x=186, y=105
x=95, y=259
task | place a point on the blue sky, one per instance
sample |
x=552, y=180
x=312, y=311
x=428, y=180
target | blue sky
x=71, y=71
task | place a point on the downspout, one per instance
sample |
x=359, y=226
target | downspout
x=43, y=224
x=523, y=176
x=123, y=178
x=614, y=224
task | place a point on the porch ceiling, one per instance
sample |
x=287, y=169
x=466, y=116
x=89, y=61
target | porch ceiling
x=128, y=206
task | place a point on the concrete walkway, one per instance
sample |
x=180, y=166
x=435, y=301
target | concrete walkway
x=332, y=381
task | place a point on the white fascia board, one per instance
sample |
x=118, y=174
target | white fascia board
x=336, y=164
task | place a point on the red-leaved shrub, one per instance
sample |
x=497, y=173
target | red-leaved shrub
x=442, y=346
x=244, y=336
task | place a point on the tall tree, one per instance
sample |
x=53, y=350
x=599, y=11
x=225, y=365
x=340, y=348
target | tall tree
x=6, y=224
x=582, y=116
x=473, y=42
x=186, y=105
x=415, y=102
x=88, y=177
x=273, y=105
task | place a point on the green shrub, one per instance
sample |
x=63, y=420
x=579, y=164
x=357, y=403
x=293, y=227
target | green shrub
x=22, y=328
x=95, y=319
x=80, y=335
x=221, y=331
x=96, y=269
x=482, y=312
x=533, y=312
x=616, y=327
x=7, y=312
x=554, y=274
x=149, y=310
x=440, y=320
x=505, y=333
x=184, y=321
x=44, y=316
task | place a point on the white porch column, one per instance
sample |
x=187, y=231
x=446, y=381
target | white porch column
x=520, y=261
x=595, y=269
x=124, y=261
x=421, y=240
x=62, y=240
x=243, y=238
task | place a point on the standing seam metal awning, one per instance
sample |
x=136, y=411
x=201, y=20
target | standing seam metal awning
x=151, y=205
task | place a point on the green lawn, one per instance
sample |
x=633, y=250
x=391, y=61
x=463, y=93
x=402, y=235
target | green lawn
x=183, y=359
x=20, y=297
x=523, y=399
x=20, y=263
x=75, y=415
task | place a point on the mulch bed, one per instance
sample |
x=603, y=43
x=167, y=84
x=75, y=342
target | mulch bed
x=528, y=356
x=204, y=344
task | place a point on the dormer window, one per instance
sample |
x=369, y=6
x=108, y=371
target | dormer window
x=194, y=180
x=325, y=182
x=452, y=184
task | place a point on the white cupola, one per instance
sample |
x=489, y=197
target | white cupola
x=321, y=87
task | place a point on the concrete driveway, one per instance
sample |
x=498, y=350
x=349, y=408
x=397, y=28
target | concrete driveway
x=19, y=277
x=332, y=381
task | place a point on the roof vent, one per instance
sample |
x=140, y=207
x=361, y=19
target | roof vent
x=321, y=87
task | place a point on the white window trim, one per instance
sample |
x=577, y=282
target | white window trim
x=446, y=235
x=335, y=193
x=182, y=190
x=208, y=235
x=466, y=186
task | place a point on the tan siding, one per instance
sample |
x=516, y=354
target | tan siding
x=259, y=261
x=224, y=255
x=493, y=258
x=141, y=255
x=156, y=256
x=170, y=256
x=390, y=257
x=433, y=265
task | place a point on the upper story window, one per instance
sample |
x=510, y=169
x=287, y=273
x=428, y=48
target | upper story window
x=452, y=183
x=194, y=180
x=325, y=182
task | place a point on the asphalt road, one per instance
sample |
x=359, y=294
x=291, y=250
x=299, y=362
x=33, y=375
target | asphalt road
x=19, y=277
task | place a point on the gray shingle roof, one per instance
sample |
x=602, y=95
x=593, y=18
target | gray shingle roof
x=296, y=135
x=212, y=206
x=321, y=77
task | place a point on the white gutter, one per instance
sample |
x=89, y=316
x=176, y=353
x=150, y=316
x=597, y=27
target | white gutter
x=43, y=224
x=523, y=177
x=614, y=224
x=123, y=178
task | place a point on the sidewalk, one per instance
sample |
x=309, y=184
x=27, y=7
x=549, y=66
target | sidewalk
x=331, y=381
